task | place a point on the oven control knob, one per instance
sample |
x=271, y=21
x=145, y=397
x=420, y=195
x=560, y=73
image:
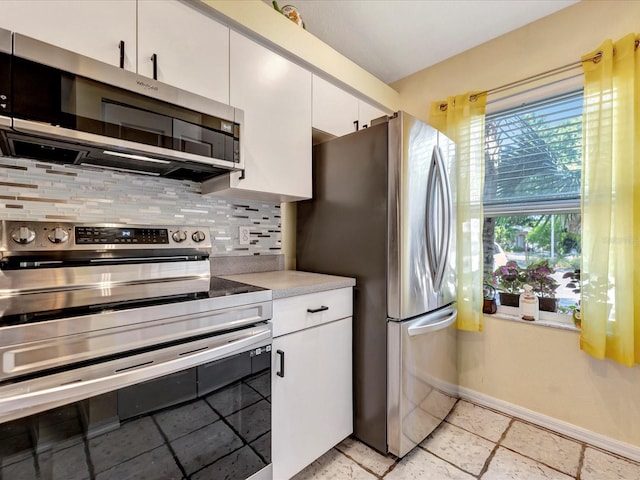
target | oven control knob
x=58, y=235
x=198, y=236
x=179, y=236
x=23, y=235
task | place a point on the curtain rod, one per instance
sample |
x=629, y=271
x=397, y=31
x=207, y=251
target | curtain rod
x=539, y=76
x=524, y=81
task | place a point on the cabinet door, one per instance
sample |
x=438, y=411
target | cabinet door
x=367, y=112
x=275, y=95
x=91, y=28
x=192, y=49
x=334, y=110
x=312, y=407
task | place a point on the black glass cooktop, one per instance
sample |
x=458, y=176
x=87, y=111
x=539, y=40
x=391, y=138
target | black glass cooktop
x=39, y=307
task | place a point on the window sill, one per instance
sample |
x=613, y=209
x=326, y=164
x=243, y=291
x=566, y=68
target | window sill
x=547, y=319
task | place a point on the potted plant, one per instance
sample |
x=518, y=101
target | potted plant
x=508, y=279
x=574, y=285
x=538, y=275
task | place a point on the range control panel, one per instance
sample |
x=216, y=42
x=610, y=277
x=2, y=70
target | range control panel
x=121, y=235
x=47, y=236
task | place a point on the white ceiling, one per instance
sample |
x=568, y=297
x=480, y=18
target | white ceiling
x=395, y=38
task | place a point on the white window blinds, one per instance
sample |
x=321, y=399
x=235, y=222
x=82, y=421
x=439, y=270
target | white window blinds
x=533, y=157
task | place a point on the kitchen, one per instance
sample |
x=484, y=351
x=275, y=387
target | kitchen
x=591, y=396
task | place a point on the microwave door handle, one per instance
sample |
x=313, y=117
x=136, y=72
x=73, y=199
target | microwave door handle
x=23, y=404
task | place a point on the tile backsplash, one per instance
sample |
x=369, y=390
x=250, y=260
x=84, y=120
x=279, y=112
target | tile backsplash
x=33, y=190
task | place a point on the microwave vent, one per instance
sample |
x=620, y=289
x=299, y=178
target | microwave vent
x=195, y=175
x=45, y=151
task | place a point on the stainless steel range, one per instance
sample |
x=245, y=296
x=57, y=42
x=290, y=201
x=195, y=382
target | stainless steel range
x=122, y=357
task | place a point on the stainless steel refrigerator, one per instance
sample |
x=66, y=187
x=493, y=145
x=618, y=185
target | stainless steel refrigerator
x=383, y=212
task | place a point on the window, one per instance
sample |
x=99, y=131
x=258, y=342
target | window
x=533, y=167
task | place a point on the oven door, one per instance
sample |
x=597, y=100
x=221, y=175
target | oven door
x=199, y=409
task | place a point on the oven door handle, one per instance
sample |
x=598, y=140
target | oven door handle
x=138, y=370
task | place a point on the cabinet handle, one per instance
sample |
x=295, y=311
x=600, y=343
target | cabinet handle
x=280, y=372
x=316, y=310
x=356, y=125
x=154, y=60
x=121, y=47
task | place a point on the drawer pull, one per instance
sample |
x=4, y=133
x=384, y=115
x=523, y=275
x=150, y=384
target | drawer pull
x=280, y=373
x=316, y=310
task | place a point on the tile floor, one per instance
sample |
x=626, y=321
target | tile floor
x=476, y=443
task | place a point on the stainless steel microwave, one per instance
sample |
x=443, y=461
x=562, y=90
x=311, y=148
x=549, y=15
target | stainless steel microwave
x=61, y=107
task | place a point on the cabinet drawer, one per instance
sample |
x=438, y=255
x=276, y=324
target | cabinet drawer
x=303, y=311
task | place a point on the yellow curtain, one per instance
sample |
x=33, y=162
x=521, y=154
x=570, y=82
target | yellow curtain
x=461, y=118
x=611, y=202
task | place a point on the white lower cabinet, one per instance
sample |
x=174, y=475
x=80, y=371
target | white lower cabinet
x=311, y=381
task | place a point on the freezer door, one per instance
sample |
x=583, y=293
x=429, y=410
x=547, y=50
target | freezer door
x=422, y=377
x=421, y=219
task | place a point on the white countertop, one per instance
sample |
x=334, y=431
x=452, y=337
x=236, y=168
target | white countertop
x=288, y=283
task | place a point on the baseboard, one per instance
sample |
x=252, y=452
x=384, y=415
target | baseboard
x=573, y=431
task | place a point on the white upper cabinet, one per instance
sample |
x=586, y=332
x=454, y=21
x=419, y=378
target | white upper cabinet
x=338, y=112
x=366, y=113
x=275, y=95
x=190, y=48
x=334, y=110
x=91, y=28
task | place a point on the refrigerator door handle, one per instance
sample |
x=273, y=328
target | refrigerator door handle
x=432, y=221
x=427, y=323
x=445, y=192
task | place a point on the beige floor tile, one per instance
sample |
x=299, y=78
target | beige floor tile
x=478, y=420
x=543, y=446
x=458, y=450
x=365, y=456
x=333, y=465
x=462, y=448
x=598, y=465
x=507, y=465
x=422, y=465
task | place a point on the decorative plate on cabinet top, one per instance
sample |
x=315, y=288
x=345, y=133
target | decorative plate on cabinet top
x=291, y=13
